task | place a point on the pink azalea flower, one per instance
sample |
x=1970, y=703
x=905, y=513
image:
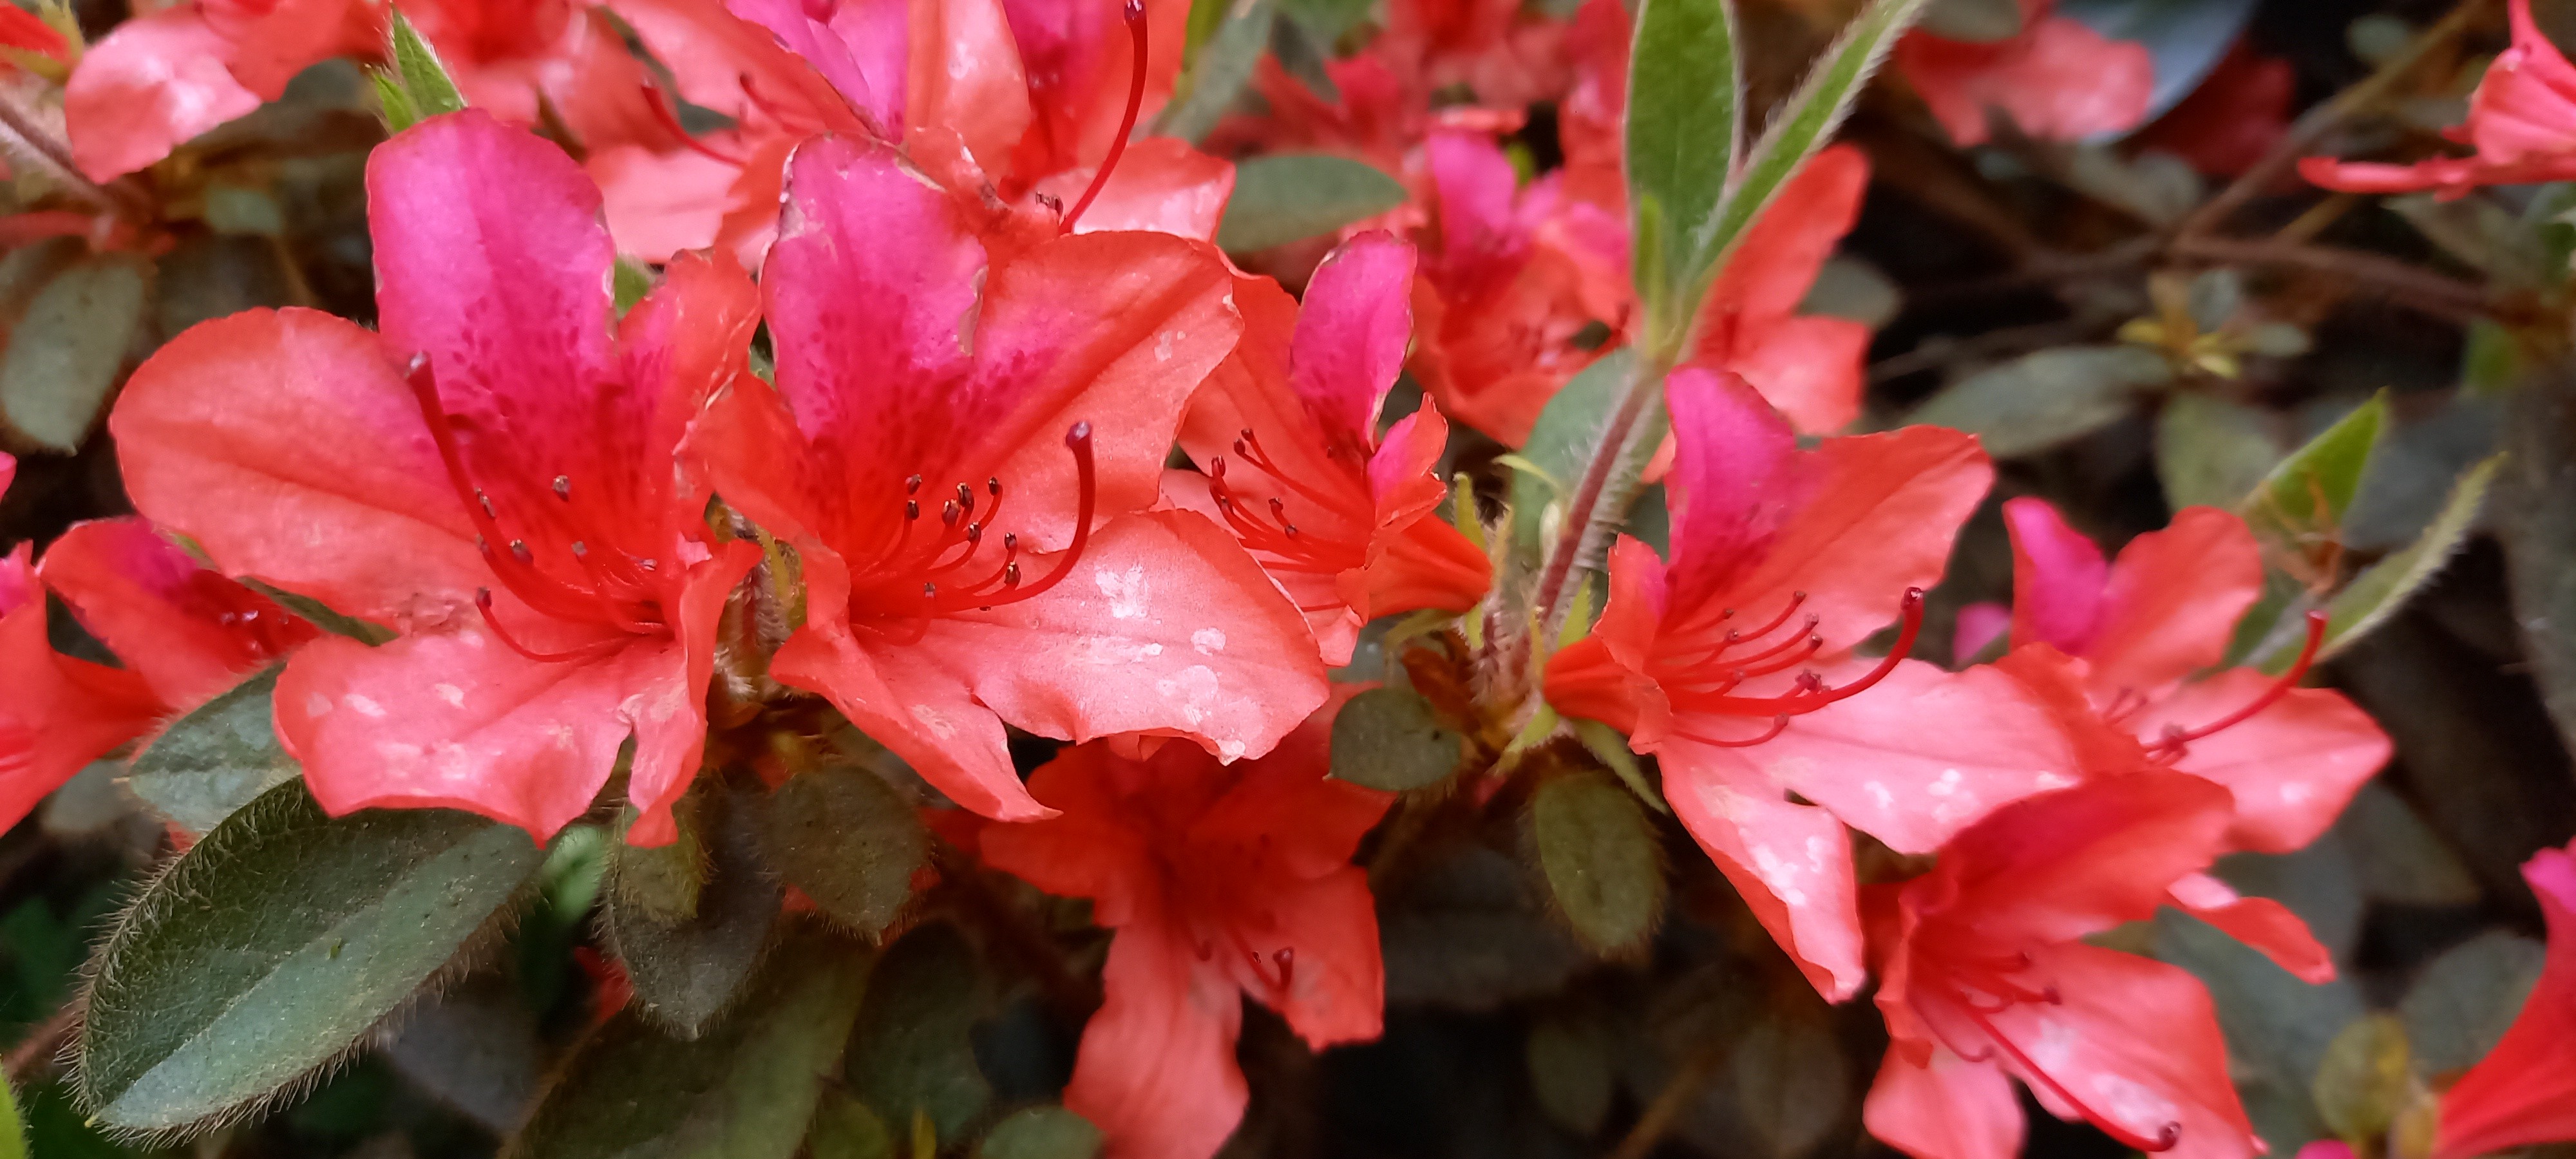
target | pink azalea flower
x=2057, y=79
x=2522, y=122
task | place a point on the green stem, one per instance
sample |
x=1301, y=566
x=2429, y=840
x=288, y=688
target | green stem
x=1600, y=500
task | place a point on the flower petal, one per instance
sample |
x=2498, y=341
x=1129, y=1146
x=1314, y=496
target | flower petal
x=2524, y=1090
x=2292, y=767
x=2172, y=601
x=154, y=83
x=1791, y=863
x=57, y=714
x=455, y=719
x=1165, y=627
x=1808, y=367
x=168, y=620
x=2058, y=577
x=283, y=444
x=671, y=720
x=2058, y=866
x=1772, y=268
x=2135, y=1043
x=1352, y=330
x=492, y=259
x=1948, y=1108
x=1156, y=1070
x=2260, y=922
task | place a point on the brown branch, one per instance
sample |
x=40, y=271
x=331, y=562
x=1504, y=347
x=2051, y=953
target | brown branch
x=1677, y=1092
x=2312, y=126
x=2422, y=289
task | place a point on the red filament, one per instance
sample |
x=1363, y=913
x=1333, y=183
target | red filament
x=1270, y=528
x=953, y=568
x=2177, y=740
x=1134, y=13
x=1713, y=692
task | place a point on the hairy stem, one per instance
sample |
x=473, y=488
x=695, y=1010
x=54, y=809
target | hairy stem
x=1592, y=513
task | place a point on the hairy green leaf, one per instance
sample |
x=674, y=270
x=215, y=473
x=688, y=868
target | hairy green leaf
x=847, y=839
x=917, y=1025
x=2307, y=494
x=271, y=946
x=2211, y=452
x=1040, y=1133
x=1685, y=129
x=1389, y=738
x=424, y=76
x=2376, y=594
x=2463, y=1001
x=689, y=968
x=1565, y=437
x=217, y=758
x=1285, y=197
x=745, y=1089
x=1601, y=857
x=1974, y=21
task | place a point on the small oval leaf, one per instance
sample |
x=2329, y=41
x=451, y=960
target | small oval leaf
x=1389, y=738
x=65, y=351
x=687, y=970
x=1285, y=197
x=1041, y=1133
x=918, y=1023
x=2040, y=400
x=1599, y=851
x=271, y=946
x=746, y=1089
x=847, y=839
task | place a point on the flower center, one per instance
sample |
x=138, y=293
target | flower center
x=1704, y=679
x=1134, y=14
x=914, y=573
x=1268, y=529
x=615, y=588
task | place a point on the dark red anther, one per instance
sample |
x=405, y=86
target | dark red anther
x=2168, y=1137
x=912, y=485
x=974, y=533
x=965, y=499
x=911, y=509
x=519, y=551
x=1134, y=13
x=930, y=591
x=1286, y=957
x=2172, y=743
x=563, y=488
x=949, y=511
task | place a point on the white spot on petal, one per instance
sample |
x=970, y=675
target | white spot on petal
x=1126, y=592
x=934, y=720
x=364, y=707
x=454, y=696
x=1208, y=641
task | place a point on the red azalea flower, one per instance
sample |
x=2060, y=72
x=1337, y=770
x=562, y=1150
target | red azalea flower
x=1732, y=663
x=2144, y=628
x=2057, y=79
x=1985, y=978
x=2522, y=122
x=2239, y=112
x=1516, y=278
x=493, y=475
x=160, y=79
x=1285, y=432
x=184, y=635
x=1222, y=882
x=2524, y=1091
x=1021, y=108
x=972, y=448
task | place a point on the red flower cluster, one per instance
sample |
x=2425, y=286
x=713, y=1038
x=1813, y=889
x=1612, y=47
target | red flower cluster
x=986, y=319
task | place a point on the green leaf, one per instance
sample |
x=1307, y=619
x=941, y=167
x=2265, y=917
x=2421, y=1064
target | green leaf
x=1799, y=128
x=630, y=279
x=2211, y=452
x=2361, y=1083
x=1469, y=930
x=215, y=759
x=2308, y=493
x=2041, y=400
x=1791, y=1082
x=1219, y=68
x=917, y=1027
x=1565, y=437
x=2464, y=1000
x=844, y=1128
x=271, y=946
x=687, y=970
x=1389, y=738
x=13, y=1133
x=745, y=1089
x=1569, y=1069
x=1041, y=1133
x=847, y=839
x=66, y=349
x=1326, y=20
x=1285, y=197
x=1605, y=743
x=424, y=77
x=1685, y=128
x=2407, y=862
x=2376, y=594
x=1974, y=21
x=392, y=103
x=1601, y=858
